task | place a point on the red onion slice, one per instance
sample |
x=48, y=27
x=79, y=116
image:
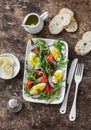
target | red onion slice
x=29, y=67
x=53, y=62
x=36, y=96
x=39, y=79
x=50, y=82
x=34, y=46
x=47, y=101
x=41, y=68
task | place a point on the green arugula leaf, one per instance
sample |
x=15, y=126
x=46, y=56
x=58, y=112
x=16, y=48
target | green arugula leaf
x=60, y=45
x=42, y=44
x=32, y=42
x=61, y=64
x=31, y=75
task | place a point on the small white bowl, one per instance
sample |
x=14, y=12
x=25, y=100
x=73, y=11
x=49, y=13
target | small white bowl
x=16, y=66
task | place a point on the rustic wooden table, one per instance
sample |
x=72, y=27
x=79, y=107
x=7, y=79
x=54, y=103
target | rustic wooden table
x=13, y=39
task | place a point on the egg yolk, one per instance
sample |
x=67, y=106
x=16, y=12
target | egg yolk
x=35, y=61
x=38, y=88
x=55, y=53
x=57, y=77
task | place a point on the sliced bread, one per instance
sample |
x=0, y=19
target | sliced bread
x=66, y=11
x=72, y=27
x=83, y=47
x=59, y=22
x=87, y=36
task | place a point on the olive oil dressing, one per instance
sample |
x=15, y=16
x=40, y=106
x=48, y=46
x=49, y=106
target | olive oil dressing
x=32, y=20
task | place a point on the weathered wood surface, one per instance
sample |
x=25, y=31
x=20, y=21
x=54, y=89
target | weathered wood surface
x=13, y=39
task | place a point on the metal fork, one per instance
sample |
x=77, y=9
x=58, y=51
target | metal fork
x=78, y=77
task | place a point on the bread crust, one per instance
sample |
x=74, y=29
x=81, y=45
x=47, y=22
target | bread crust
x=87, y=36
x=59, y=22
x=73, y=26
x=83, y=47
x=66, y=11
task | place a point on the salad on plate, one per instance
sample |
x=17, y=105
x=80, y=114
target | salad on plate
x=45, y=67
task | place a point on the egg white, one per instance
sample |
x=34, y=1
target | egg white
x=33, y=60
x=55, y=52
x=57, y=76
x=37, y=88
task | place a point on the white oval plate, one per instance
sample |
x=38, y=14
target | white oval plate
x=16, y=66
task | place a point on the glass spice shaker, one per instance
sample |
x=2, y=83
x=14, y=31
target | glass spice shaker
x=14, y=105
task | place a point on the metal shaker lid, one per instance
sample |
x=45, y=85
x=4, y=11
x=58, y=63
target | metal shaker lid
x=14, y=105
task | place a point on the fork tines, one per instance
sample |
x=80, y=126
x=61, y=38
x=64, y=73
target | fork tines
x=79, y=70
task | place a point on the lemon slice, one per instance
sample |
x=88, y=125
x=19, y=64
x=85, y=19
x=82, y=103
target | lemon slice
x=7, y=59
x=8, y=69
x=1, y=61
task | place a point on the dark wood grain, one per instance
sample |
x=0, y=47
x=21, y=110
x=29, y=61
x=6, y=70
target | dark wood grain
x=13, y=39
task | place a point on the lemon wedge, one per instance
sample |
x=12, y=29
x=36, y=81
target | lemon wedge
x=8, y=69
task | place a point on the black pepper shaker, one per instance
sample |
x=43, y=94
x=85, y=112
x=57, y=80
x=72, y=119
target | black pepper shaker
x=14, y=105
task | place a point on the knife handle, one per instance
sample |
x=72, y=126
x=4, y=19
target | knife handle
x=64, y=104
x=72, y=115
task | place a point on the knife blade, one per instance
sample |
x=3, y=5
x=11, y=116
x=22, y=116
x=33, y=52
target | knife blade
x=72, y=70
x=69, y=81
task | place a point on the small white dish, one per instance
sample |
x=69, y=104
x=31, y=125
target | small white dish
x=16, y=66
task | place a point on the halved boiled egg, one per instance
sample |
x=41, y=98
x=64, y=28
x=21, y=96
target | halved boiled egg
x=37, y=88
x=57, y=76
x=55, y=52
x=34, y=60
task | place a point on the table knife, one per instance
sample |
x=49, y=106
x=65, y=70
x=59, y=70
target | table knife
x=69, y=81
